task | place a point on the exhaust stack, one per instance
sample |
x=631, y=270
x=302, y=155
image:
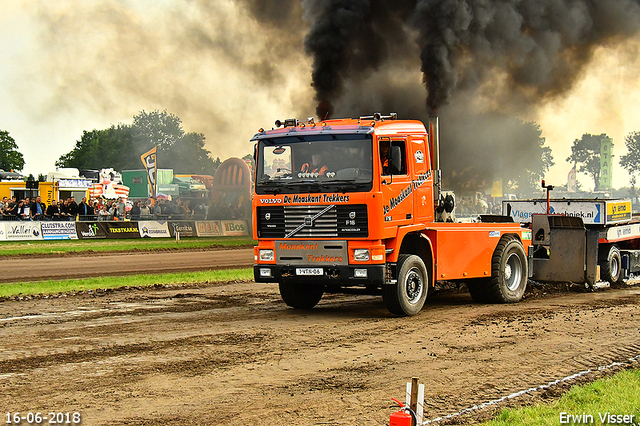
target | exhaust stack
x=434, y=148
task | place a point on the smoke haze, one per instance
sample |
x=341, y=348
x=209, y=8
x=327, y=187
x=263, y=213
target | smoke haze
x=228, y=68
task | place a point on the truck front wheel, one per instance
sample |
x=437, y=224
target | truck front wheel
x=508, y=271
x=301, y=296
x=610, y=264
x=407, y=296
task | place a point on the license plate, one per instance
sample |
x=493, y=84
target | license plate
x=308, y=271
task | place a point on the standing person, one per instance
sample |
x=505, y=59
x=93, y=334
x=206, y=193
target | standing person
x=121, y=208
x=135, y=211
x=4, y=207
x=63, y=206
x=156, y=210
x=15, y=209
x=91, y=211
x=72, y=207
x=83, y=209
x=144, y=211
x=53, y=212
x=25, y=209
x=103, y=213
x=37, y=209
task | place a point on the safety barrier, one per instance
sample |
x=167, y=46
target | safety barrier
x=65, y=230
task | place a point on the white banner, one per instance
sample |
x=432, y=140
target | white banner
x=234, y=227
x=153, y=229
x=59, y=230
x=19, y=230
x=210, y=228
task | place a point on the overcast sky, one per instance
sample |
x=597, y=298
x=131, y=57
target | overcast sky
x=69, y=66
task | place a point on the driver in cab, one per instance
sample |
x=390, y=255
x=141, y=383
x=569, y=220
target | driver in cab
x=316, y=166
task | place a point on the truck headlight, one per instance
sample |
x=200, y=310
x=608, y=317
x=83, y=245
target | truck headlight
x=266, y=255
x=361, y=255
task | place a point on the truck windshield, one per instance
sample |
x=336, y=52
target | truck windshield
x=320, y=163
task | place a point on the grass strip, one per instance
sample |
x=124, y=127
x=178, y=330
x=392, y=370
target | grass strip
x=84, y=284
x=15, y=248
x=618, y=395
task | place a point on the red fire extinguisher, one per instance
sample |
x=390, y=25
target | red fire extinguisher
x=403, y=417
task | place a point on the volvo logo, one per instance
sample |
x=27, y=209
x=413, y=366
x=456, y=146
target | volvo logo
x=267, y=216
x=352, y=215
x=308, y=221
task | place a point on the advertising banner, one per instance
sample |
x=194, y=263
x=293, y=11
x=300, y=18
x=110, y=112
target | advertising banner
x=209, y=228
x=124, y=229
x=59, y=230
x=592, y=212
x=184, y=227
x=151, y=166
x=153, y=229
x=2, y=233
x=605, y=163
x=234, y=227
x=91, y=230
x=16, y=230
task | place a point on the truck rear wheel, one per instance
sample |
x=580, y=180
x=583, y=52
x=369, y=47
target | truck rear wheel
x=610, y=264
x=301, y=296
x=509, y=271
x=407, y=296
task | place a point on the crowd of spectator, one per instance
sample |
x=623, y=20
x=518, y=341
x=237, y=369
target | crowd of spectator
x=100, y=209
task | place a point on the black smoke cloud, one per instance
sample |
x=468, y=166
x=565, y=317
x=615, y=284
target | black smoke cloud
x=349, y=39
x=540, y=47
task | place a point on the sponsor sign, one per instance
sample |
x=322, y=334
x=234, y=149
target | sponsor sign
x=234, y=227
x=91, y=230
x=623, y=232
x=2, y=234
x=122, y=229
x=154, y=229
x=74, y=183
x=184, y=227
x=617, y=211
x=592, y=212
x=209, y=228
x=59, y=230
x=27, y=230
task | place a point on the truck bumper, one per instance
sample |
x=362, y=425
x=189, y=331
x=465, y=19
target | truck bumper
x=344, y=275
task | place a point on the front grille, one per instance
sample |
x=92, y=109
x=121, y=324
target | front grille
x=338, y=221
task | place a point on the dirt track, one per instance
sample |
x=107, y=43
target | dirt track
x=32, y=268
x=234, y=354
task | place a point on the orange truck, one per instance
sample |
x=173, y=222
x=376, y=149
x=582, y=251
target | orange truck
x=356, y=206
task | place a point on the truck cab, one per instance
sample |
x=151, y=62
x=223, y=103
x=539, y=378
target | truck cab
x=353, y=205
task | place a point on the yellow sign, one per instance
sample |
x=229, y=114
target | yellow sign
x=619, y=211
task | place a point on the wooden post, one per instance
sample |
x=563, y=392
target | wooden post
x=414, y=394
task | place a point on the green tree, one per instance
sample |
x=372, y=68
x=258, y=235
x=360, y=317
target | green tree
x=97, y=149
x=585, y=153
x=10, y=157
x=631, y=161
x=526, y=179
x=157, y=128
x=188, y=155
x=120, y=146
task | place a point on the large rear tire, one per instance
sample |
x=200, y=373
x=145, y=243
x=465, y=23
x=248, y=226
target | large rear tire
x=610, y=264
x=408, y=295
x=509, y=271
x=301, y=296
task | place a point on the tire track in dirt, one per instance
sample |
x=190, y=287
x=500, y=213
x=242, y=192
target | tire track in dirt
x=234, y=353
